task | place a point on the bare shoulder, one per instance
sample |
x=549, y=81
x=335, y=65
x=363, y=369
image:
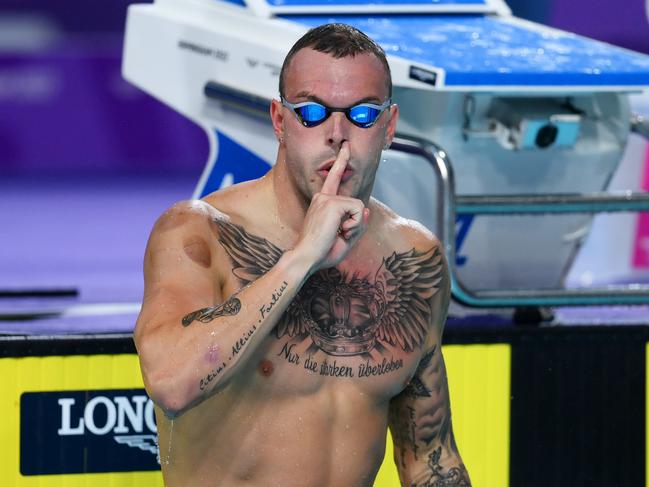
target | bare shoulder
x=183, y=268
x=419, y=258
x=403, y=232
x=185, y=238
x=185, y=215
x=239, y=202
x=184, y=224
x=182, y=241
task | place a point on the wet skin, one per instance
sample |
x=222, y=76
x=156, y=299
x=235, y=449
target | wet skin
x=295, y=408
x=288, y=321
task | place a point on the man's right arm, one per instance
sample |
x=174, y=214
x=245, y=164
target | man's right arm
x=191, y=339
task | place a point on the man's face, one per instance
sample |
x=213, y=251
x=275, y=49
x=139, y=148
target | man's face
x=338, y=83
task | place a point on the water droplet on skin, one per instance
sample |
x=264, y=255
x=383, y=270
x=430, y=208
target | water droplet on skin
x=171, y=434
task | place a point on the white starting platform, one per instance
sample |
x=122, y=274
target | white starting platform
x=509, y=134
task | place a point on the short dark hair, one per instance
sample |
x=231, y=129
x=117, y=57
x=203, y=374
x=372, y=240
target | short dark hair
x=338, y=40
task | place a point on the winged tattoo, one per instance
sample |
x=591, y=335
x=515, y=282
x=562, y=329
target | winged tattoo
x=412, y=278
x=347, y=314
x=252, y=257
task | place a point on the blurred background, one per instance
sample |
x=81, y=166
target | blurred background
x=66, y=111
x=87, y=161
x=86, y=158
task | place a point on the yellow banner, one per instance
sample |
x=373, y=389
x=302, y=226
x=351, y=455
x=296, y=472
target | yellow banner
x=479, y=380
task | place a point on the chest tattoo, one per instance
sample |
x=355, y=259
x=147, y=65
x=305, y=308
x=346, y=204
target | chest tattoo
x=346, y=314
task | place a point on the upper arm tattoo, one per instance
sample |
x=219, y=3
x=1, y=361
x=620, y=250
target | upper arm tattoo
x=253, y=256
x=229, y=308
x=416, y=386
x=421, y=418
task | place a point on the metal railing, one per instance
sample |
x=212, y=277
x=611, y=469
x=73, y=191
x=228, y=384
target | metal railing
x=449, y=205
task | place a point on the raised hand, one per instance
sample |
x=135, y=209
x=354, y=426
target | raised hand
x=333, y=223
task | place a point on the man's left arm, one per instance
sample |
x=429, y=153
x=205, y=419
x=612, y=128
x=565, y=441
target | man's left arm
x=420, y=416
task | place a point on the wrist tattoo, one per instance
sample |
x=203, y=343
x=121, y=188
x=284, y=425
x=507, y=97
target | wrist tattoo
x=441, y=477
x=265, y=309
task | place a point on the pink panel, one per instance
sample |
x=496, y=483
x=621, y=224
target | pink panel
x=641, y=244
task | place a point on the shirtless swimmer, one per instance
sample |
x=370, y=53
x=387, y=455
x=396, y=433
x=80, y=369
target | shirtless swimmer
x=288, y=321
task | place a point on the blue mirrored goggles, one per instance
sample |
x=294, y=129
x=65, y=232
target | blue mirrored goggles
x=363, y=115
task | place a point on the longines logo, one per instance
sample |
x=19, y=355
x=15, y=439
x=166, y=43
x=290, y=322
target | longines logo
x=87, y=431
x=122, y=415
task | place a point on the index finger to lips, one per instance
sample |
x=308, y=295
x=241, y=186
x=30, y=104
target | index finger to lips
x=331, y=183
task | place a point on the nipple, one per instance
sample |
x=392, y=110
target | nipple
x=266, y=368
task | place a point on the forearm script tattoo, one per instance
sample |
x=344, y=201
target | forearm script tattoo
x=236, y=349
x=343, y=314
x=234, y=307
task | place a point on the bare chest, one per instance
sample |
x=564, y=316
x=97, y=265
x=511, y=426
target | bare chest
x=289, y=367
x=343, y=329
x=364, y=322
